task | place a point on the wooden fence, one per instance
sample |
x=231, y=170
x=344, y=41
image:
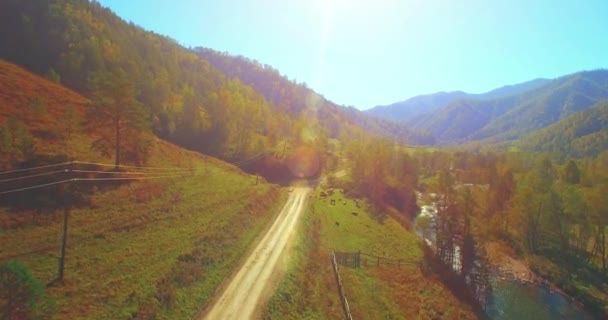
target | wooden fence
x=360, y=259
x=345, y=307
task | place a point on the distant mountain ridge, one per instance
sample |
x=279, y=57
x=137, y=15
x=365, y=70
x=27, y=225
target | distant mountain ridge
x=415, y=106
x=509, y=113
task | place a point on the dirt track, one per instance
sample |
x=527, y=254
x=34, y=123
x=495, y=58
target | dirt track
x=244, y=294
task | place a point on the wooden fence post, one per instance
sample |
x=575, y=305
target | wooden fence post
x=345, y=307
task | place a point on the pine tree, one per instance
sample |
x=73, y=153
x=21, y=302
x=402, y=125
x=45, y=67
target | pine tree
x=115, y=115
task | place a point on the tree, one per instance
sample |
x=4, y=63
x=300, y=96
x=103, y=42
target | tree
x=21, y=296
x=571, y=173
x=38, y=106
x=446, y=220
x=70, y=125
x=16, y=142
x=115, y=114
x=534, y=202
x=467, y=244
x=598, y=203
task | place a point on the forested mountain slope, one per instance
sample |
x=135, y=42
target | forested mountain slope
x=185, y=100
x=293, y=98
x=582, y=134
x=182, y=98
x=509, y=118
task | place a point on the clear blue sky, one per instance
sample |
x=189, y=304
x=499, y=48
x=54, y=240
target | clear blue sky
x=369, y=52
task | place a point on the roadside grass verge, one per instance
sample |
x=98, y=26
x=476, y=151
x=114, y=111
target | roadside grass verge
x=162, y=256
x=309, y=291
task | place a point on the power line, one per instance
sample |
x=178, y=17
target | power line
x=129, y=172
x=92, y=171
x=125, y=166
x=90, y=179
x=242, y=162
x=35, y=168
x=130, y=178
x=35, y=175
x=92, y=163
x=36, y=186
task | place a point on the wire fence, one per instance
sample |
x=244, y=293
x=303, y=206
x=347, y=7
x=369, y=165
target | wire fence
x=360, y=259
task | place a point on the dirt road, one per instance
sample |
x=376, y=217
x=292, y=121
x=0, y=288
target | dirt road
x=244, y=294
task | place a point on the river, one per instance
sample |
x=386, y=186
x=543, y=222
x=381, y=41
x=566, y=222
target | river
x=512, y=299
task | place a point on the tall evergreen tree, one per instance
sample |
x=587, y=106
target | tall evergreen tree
x=115, y=113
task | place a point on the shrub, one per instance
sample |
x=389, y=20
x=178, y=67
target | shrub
x=165, y=292
x=21, y=296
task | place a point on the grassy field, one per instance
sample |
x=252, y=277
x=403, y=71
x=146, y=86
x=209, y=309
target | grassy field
x=309, y=291
x=165, y=252
x=149, y=249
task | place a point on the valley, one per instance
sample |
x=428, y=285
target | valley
x=147, y=175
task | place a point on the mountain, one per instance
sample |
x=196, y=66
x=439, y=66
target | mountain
x=511, y=89
x=509, y=118
x=295, y=99
x=40, y=107
x=581, y=134
x=418, y=105
x=185, y=99
x=81, y=45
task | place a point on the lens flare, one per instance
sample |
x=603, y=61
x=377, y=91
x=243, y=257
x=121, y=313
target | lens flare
x=304, y=162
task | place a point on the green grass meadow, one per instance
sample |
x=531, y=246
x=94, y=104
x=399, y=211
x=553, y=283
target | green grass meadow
x=156, y=248
x=309, y=290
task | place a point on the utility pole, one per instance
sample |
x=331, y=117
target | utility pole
x=67, y=208
x=66, y=214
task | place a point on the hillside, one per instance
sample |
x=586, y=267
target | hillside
x=186, y=99
x=583, y=134
x=159, y=247
x=511, y=117
x=412, y=108
x=183, y=98
x=294, y=99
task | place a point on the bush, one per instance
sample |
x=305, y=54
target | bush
x=147, y=311
x=165, y=292
x=21, y=296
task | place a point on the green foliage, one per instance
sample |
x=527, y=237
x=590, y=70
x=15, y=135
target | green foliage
x=183, y=98
x=572, y=175
x=294, y=99
x=38, y=105
x=384, y=175
x=16, y=142
x=117, y=117
x=69, y=125
x=21, y=296
x=584, y=133
x=53, y=76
